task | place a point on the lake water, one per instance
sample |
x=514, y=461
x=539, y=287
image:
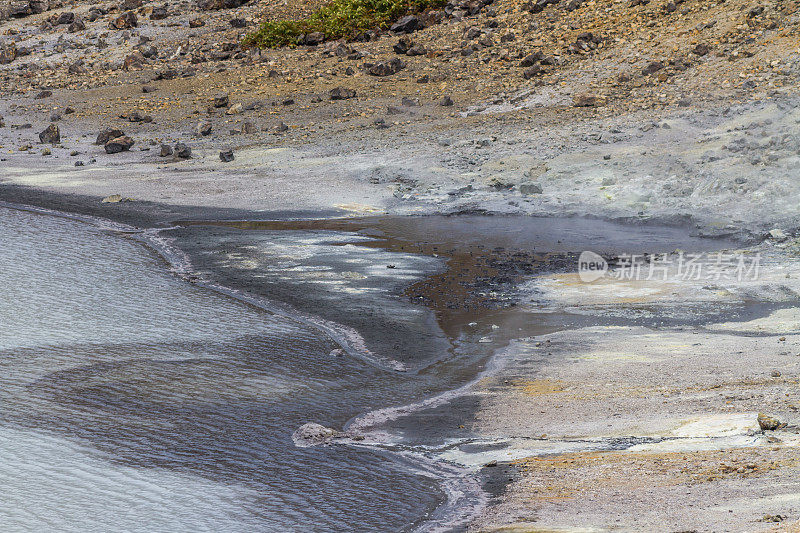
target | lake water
x=133, y=401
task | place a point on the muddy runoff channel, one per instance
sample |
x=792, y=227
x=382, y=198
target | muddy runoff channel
x=421, y=309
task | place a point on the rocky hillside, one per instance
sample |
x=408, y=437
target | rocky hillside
x=625, y=53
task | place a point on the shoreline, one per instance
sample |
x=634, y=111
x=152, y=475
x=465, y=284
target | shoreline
x=460, y=487
x=477, y=383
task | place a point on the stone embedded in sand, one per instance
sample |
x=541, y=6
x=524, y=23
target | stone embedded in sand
x=124, y=21
x=135, y=116
x=203, y=129
x=533, y=71
x=77, y=25
x=403, y=45
x=226, y=156
x=62, y=18
x=119, y=144
x=588, y=100
x=107, y=134
x=183, y=151
x=211, y=5
x=340, y=93
x=159, y=13
x=531, y=59
x=8, y=53
x=221, y=100
x=133, y=61
x=769, y=423
x=652, y=68
x=530, y=188
x=51, y=135
x=777, y=235
x=113, y=199
x=387, y=68
x=77, y=67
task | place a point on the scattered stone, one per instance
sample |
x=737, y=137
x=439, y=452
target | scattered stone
x=778, y=235
x=531, y=59
x=134, y=61
x=235, y=109
x=588, y=100
x=196, y=23
x=138, y=117
x=183, y=151
x=280, y=127
x=491, y=464
x=652, y=68
x=46, y=151
x=221, y=100
x=146, y=89
x=212, y=5
x=701, y=49
x=107, y=134
x=446, y=101
x=248, y=128
x=125, y=21
x=312, y=39
x=403, y=45
x=769, y=423
x=166, y=150
x=532, y=72
x=51, y=135
x=387, y=68
x=43, y=94
x=530, y=188
x=407, y=24
x=340, y=93
x=159, y=13
x=118, y=144
x=113, y=199
x=203, y=129
x=8, y=53
x=77, y=25
x=226, y=156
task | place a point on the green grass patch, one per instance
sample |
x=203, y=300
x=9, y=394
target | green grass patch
x=338, y=19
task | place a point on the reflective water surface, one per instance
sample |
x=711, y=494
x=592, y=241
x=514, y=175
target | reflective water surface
x=133, y=401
